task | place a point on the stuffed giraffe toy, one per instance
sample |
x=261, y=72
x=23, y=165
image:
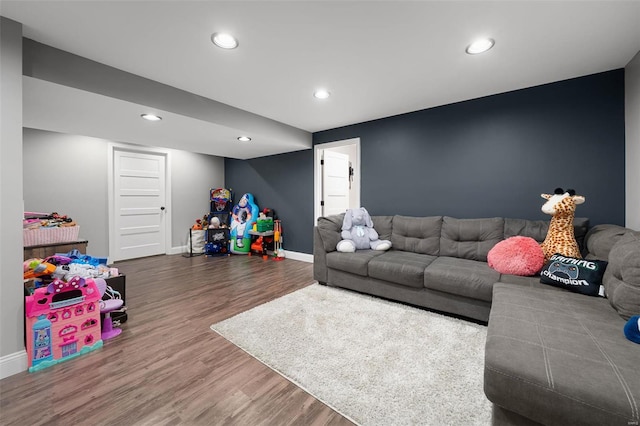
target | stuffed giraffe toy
x=560, y=237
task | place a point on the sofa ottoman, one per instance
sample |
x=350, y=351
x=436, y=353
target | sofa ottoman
x=560, y=358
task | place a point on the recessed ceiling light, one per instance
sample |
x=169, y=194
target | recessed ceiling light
x=244, y=138
x=480, y=46
x=321, y=94
x=224, y=40
x=151, y=117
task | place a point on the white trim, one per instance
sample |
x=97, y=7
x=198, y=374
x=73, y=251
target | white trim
x=296, y=255
x=13, y=364
x=293, y=255
x=178, y=250
x=112, y=147
x=317, y=172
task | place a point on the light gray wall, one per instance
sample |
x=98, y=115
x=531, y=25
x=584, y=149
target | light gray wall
x=632, y=131
x=11, y=292
x=192, y=176
x=57, y=66
x=69, y=173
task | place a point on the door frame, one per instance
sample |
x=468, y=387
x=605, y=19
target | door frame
x=317, y=173
x=112, y=148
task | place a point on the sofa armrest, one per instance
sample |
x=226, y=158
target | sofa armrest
x=319, y=258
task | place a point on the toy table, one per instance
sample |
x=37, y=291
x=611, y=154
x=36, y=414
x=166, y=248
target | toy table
x=264, y=234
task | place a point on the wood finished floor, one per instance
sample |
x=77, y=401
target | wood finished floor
x=167, y=367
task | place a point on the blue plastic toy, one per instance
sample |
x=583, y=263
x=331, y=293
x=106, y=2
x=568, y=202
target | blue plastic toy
x=632, y=329
x=243, y=216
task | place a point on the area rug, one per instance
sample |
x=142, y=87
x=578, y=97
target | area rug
x=375, y=362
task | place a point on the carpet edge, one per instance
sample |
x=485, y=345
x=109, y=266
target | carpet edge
x=294, y=382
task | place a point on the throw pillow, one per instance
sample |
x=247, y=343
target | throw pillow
x=516, y=256
x=573, y=274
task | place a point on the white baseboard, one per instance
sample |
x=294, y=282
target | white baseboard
x=295, y=255
x=13, y=364
x=178, y=250
x=304, y=257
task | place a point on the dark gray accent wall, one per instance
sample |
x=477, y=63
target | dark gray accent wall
x=283, y=183
x=485, y=157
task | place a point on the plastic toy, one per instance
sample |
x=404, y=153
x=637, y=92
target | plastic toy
x=278, y=251
x=214, y=223
x=632, y=329
x=113, y=302
x=62, y=322
x=36, y=268
x=58, y=260
x=243, y=216
x=217, y=242
x=358, y=233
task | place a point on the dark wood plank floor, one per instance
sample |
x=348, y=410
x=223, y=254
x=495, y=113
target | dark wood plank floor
x=167, y=367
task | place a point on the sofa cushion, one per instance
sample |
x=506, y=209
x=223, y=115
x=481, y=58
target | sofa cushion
x=383, y=226
x=622, y=277
x=355, y=263
x=560, y=358
x=470, y=238
x=463, y=277
x=329, y=228
x=533, y=282
x=537, y=229
x=417, y=234
x=401, y=267
x=601, y=238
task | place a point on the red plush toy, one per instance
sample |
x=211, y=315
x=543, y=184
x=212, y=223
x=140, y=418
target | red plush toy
x=517, y=256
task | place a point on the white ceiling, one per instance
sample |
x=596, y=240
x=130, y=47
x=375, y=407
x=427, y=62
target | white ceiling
x=377, y=58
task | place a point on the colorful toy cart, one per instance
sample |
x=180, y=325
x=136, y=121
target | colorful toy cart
x=63, y=322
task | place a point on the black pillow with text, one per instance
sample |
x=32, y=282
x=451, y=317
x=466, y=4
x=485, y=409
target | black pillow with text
x=578, y=275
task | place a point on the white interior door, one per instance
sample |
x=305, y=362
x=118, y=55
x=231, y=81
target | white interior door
x=335, y=183
x=139, y=184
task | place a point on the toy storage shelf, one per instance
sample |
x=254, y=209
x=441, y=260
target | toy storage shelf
x=44, y=250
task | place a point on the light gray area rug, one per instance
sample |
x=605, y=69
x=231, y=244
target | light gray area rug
x=375, y=362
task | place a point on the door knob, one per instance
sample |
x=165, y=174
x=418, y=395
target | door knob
x=162, y=208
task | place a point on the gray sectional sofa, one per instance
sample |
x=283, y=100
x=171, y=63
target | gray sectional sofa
x=436, y=262
x=552, y=357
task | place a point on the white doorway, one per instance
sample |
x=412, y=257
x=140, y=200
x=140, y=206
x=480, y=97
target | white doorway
x=336, y=177
x=139, y=198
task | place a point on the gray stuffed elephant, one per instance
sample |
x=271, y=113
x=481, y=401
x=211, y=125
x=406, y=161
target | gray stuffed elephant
x=358, y=233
